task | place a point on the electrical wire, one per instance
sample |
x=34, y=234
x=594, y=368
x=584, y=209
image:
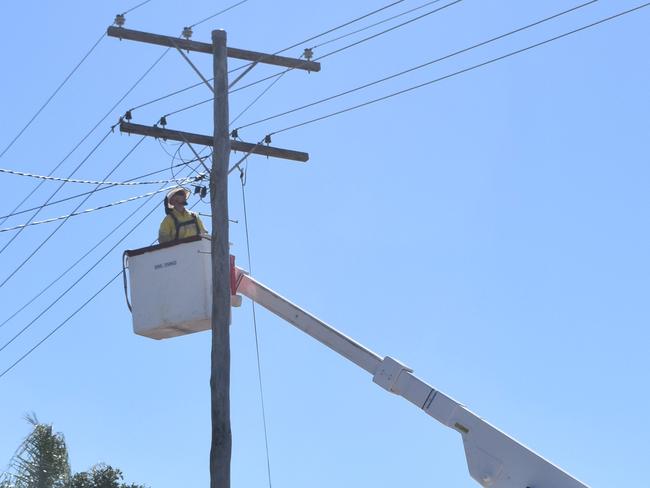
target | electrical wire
x=86, y=182
x=26, y=260
x=420, y=66
x=88, y=134
x=283, y=72
x=38, y=210
x=343, y=36
x=79, y=309
x=136, y=7
x=257, y=343
x=58, y=88
x=103, y=188
x=66, y=291
x=90, y=210
x=218, y=13
x=419, y=17
x=456, y=73
x=71, y=267
x=277, y=52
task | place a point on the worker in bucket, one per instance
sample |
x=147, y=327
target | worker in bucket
x=179, y=222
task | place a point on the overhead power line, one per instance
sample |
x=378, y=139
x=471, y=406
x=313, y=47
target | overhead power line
x=459, y=72
x=101, y=207
x=420, y=66
x=46, y=103
x=283, y=72
x=21, y=358
x=86, y=182
x=357, y=19
x=108, y=187
x=218, y=13
x=26, y=260
x=136, y=7
x=365, y=39
x=83, y=139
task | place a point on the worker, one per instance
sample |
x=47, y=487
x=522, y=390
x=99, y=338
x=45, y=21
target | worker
x=179, y=223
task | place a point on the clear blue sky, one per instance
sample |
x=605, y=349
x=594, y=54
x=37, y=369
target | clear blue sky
x=489, y=230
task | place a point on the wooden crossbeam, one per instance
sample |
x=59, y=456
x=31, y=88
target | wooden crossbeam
x=204, y=47
x=235, y=145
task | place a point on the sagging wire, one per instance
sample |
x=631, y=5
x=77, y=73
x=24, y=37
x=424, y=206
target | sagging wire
x=101, y=207
x=462, y=71
x=70, y=288
x=243, y=177
x=79, y=195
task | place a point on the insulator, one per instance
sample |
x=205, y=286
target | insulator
x=308, y=53
x=204, y=191
x=163, y=121
x=267, y=139
x=119, y=20
x=234, y=134
x=187, y=32
x=127, y=115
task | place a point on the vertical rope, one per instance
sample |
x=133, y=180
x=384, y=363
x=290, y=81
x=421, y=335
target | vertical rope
x=242, y=177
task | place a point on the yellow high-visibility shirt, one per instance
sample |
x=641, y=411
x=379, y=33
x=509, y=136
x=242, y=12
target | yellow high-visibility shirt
x=187, y=224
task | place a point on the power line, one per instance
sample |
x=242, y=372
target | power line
x=88, y=134
x=110, y=233
x=456, y=73
x=136, y=7
x=85, y=182
x=419, y=17
x=277, y=52
x=101, y=207
x=283, y=72
x=257, y=343
x=343, y=36
x=420, y=66
x=218, y=13
x=64, y=221
x=58, y=88
x=79, y=195
x=21, y=358
x=64, y=293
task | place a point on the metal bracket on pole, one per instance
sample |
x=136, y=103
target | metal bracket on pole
x=196, y=70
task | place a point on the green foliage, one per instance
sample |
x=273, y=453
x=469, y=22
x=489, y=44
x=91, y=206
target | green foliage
x=41, y=461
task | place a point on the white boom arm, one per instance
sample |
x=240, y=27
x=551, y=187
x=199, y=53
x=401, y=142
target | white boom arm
x=494, y=459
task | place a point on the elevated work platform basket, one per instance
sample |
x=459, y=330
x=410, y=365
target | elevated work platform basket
x=171, y=288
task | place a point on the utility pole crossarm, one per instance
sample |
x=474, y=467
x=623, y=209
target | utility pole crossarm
x=245, y=147
x=204, y=47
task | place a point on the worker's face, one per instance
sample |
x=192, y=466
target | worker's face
x=178, y=198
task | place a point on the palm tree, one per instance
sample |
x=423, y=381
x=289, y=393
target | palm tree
x=41, y=461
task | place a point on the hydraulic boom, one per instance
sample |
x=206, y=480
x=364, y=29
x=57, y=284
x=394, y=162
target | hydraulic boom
x=494, y=459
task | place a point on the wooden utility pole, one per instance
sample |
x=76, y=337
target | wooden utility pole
x=220, y=452
x=220, y=375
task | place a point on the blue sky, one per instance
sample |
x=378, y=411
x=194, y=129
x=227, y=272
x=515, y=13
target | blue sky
x=489, y=230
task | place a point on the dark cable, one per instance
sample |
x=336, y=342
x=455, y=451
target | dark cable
x=89, y=133
x=20, y=133
x=82, y=276
x=219, y=13
x=137, y=6
x=389, y=30
x=64, y=221
x=277, y=52
x=257, y=344
x=493, y=60
x=428, y=63
x=98, y=189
